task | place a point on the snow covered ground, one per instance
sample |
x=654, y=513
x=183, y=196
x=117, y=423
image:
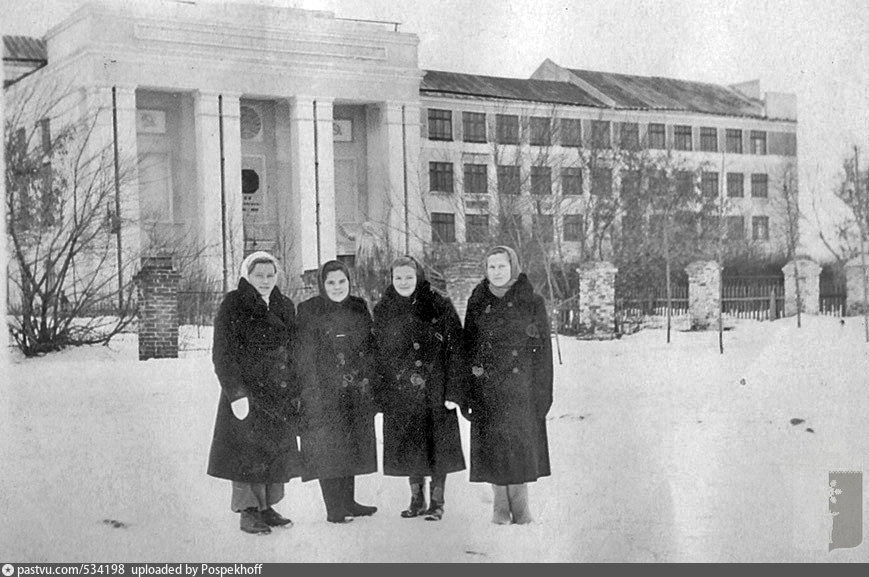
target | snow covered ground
x=659, y=453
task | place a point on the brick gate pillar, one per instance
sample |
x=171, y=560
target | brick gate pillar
x=854, y=271
x=597, y=299
x=810, y=286
x=704, y=293
x=157, y=283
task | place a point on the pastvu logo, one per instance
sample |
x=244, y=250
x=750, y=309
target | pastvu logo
x=8, y=570
x=845, y=509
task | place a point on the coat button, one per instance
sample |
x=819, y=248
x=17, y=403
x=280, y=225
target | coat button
x=515, y=369
x=283, y=384
x=418, y=363
x=515, y=353
x=509, y=304
x=416, y=346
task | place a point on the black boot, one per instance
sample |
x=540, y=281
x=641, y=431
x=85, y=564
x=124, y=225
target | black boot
x=274, y=519
x=252, y=522
x=333, y=497
x=350, y=504
x=417, y=501
x=435, y=511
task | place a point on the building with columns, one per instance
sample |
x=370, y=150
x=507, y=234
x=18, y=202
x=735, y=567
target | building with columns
x=252, y=126
x=246, y=126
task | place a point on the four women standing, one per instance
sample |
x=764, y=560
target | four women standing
x=419, y=368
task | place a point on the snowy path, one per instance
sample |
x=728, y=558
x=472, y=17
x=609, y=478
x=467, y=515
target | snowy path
x=659, y=453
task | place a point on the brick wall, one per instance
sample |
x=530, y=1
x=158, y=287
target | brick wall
x=157, y=284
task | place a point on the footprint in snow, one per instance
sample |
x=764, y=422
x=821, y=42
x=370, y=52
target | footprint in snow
x=115, y=524
x=796, y=421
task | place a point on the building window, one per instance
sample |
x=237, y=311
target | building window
x=735, y=185
x=476, y=179
x=573, y=228
x=601, y=181
x=708, y=139
x=440, y=176
x=508, y=179
x=542, y=229
x=735, y=227
x=600, y=134
x=477, y=228
x=709, y=184
x=443, y=227
x=758, y=142
x=760, y=228
x=734, y=140
x=440, y=124
x=682, y=136
x=541, y=131
x=541, y=180
x=759, y=185
x=629, y=135
x=474, y=126
x=657, y=136
x=507, y=128
x=684, y=183
x=571, y=181
x=571, y=132
x=630, y=185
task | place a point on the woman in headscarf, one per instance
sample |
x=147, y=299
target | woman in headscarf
x=506, y=336
x=337, y=359
x=422, y=370
x=254, y=443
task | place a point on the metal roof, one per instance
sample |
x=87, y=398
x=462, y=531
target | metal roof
x=24, y=48
x=656, y=93
x=548, y=91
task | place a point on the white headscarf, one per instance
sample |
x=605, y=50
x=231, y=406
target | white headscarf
x=258, y=255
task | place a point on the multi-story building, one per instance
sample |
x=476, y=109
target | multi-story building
x=537, y=154
x=250, y=126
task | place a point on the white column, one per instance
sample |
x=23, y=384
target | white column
x=313, y=182
x=208, y=203
x=303, y=218
x=128, y=162
x=420, y=225
x=326, y=178
x=232, y=186
x=99, y=107
x=399, y=150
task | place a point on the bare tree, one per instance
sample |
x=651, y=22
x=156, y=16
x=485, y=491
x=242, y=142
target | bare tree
x=792, y=215
x=61, y=190
x=854, y=192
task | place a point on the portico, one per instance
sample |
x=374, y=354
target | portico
x=252, y=127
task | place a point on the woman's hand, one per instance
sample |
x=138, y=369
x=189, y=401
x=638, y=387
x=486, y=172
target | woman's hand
x=240, y=408
x=451, y=406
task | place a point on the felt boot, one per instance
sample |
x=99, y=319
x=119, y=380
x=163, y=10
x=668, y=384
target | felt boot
x=436, y=499
x=501, y=509
x=252, y=522
x=333, y=497
x=518, y=496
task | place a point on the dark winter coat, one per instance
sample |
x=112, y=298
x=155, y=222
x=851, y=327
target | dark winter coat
x=510, y=386
x=419, y=342
x=252, y=358
x=337, y=359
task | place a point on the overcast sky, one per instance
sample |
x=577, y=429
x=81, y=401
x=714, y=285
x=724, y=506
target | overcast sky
x=816, y=49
